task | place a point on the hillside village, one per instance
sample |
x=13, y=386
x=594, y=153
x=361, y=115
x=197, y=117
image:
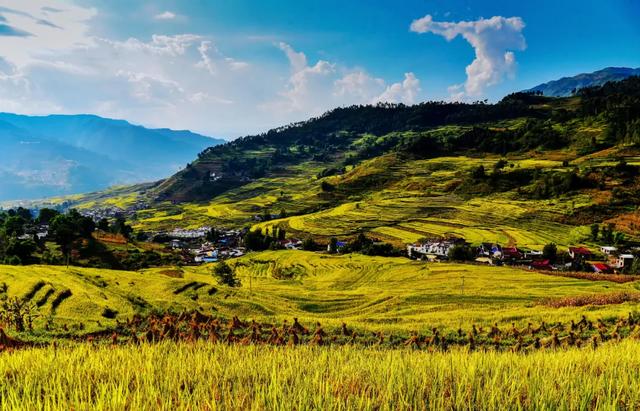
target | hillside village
x=608, y=259
x=209, y=244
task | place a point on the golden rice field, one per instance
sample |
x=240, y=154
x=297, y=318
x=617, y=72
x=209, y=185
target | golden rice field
x=204, y=376
x=374, y=293
x=412, y=200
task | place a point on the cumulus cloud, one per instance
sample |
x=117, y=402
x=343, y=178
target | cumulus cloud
x=493, y=40
x=404, y=92
x=314, y=89
x=167, y=15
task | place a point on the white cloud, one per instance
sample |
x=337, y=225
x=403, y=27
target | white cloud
x=206, y=61
x=167, y=15
x=357, y=84
x=493, y=40
x=298, y=60
x=314, y=89
x=181, y=81
x=404, y=92
x=49, y=33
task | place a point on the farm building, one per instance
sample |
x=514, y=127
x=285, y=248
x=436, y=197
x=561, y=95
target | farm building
x=580, y=253
x=601, y=268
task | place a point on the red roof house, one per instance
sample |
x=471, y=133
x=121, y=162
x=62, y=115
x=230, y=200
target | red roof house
x=511, y=252
x=601, y=268
x=580, y=252
x=541, y=265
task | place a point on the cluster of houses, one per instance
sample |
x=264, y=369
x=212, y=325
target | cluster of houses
x=113, y=211
x=611, y=260
x=37, y=231
x=211, y=253
x=228, y=245
x=189, y=234
x=204, y=248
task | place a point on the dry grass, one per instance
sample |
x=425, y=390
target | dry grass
x=615, y=278
x=593, y=299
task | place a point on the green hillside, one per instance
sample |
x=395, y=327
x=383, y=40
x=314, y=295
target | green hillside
x=526, y=171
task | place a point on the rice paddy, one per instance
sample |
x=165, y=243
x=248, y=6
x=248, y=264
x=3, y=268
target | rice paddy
x=371, y=293
x=180, y=376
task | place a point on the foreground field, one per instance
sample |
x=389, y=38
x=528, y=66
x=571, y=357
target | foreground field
x=171, y=376
x=374, y=293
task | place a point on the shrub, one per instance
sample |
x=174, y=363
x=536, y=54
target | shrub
x=550, y=252
x=461, y=253
x=225, y=275
x=109, y=313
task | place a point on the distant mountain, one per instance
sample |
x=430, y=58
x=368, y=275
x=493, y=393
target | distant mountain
x=65, y=154
x=564, y=86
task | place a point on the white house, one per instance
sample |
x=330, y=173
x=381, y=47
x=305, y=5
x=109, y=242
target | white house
x=608, y=250
x=624, y=260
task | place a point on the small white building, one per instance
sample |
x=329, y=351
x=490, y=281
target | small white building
x=623, y=260
x=436, y=249
x=608, y=250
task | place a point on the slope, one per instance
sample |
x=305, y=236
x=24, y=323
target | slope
x=567, y=85
x=374, y=293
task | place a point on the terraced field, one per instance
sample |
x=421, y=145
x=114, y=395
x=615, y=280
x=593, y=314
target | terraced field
x=417, y=204
x=368, y=292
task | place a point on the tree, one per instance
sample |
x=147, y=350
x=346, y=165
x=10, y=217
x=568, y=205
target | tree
x=46, y=215
x=460, y=253
x=14, y=226
x=20, y=249
x=326, y=187
x=478, y=172
x=595, y=229
x=333, y=245
x=103, y=224
x=550, y=252
x=310, y=245
x=359, y=243
x=607, y=234
x=282, y=234
x=256, y=241
x=213, y=235
x=120, y=227
x=24, y=213
x=225, y=275
x=63, y=231
x=499, y=165
x=618, y=238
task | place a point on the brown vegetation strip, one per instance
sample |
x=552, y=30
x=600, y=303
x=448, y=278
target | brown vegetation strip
x=592, y=299
x=615, y=278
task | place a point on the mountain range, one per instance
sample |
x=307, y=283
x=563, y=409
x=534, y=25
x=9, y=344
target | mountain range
x=565, y=86
x=65, y=154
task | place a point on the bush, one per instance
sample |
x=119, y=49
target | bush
x=109, y=313
x=225, y=275
x=461, y=253
x=550, y=252
x=326, y=187
x=310, y=245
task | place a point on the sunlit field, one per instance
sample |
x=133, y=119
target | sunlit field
x=171, y=376
x=375, y=293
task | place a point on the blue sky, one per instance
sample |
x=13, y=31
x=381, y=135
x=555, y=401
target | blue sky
x=227, y=68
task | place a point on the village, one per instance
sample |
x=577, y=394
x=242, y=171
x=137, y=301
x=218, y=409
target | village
x=223, y=244
x=211, y=244
x=610, y=259
x=208, y=244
